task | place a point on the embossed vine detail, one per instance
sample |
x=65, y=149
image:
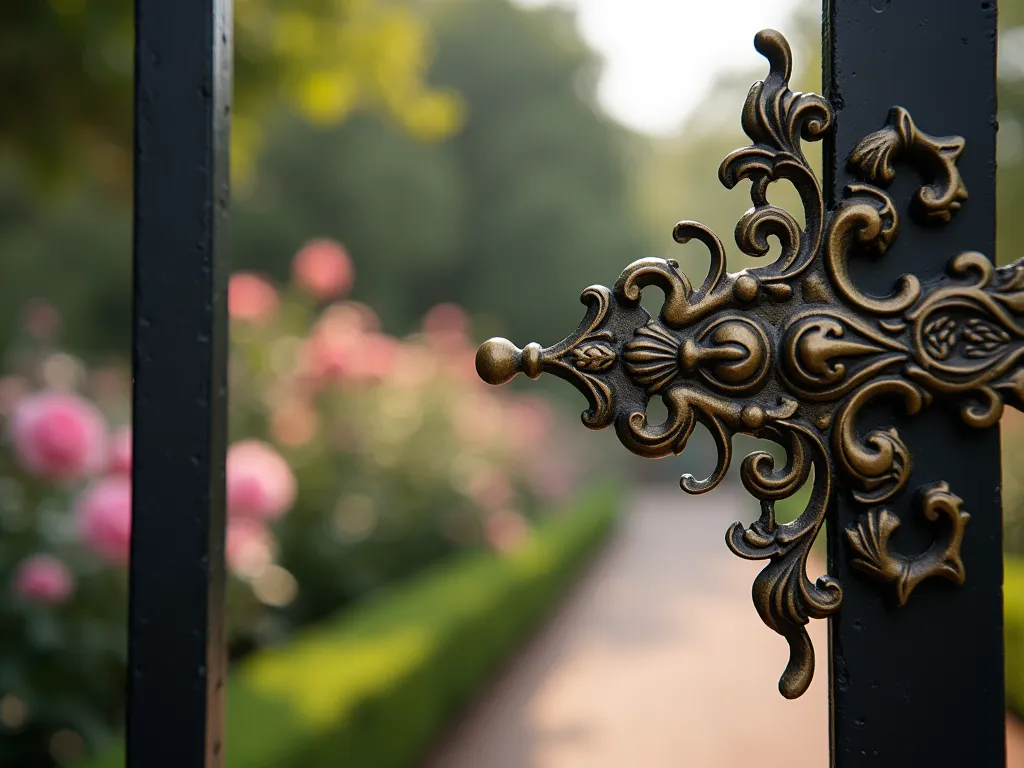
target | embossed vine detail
x=748, y=353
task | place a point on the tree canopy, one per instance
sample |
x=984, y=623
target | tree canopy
x=511, y=214
x=511, y=217
x=66, y=68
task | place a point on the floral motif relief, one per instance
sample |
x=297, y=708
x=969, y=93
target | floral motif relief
x=793, y=350
x=594, y=357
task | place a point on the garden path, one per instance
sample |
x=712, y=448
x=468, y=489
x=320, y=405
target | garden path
x=657, y=659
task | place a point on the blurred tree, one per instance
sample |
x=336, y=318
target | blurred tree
x=66, y=69
x=512, y=218
x=548, y=175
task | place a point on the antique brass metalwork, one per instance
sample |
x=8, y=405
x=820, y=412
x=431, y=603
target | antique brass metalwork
x=792, y=351
x=870, y=540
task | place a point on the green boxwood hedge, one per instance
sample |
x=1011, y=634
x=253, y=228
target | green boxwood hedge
x=1013, y=618
x=374, y=687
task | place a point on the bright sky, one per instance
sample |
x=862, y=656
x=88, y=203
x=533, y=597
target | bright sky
x=661, y=55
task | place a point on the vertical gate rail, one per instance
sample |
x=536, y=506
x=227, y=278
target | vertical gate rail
x=922, y=684
x=878, y=348
x=176, y=649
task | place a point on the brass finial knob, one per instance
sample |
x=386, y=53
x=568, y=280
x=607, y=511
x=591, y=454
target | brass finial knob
x=498, y=360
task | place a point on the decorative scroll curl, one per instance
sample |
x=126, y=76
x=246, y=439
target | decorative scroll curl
x=783, y=595
x=794, y=350
x=870, y=540
x=875, y=157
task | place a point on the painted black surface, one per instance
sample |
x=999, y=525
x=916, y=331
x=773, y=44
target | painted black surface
x=921, y=685
x=176, y=641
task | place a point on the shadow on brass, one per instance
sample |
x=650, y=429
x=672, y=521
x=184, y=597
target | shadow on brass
x=793, y=350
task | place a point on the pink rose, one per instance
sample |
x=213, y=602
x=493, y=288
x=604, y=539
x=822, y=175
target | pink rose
x=59, y=436
x=323, y=269
x=251, y=298
x=43, y=579
x=249, y=547
x=104, y=517
x=326, y=358
x=328, y=353
x=121, y=452
x=342, y=347
x=260, y=484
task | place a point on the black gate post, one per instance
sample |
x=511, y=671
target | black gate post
x=921, y=684
x=176, y=641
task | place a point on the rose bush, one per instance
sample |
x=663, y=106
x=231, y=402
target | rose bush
x=400, y=454
x=356, y=458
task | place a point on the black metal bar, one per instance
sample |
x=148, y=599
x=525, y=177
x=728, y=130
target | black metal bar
x=176, y=641
x=922, y=684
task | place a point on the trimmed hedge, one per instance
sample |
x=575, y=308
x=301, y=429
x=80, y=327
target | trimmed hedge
x=1013, y=620
x=374, y=687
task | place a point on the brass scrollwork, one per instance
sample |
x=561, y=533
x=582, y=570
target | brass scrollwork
x=870, y=540
x=793, y=350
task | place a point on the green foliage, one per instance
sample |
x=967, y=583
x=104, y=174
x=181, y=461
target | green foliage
x=66, y=68
x=87, y=243
x=63, y=666
x=1013, y=619
x=396, y=203
x=511, y=218
x=395, y=456
x=507, y=219
x=61, y=662
x=374, y=687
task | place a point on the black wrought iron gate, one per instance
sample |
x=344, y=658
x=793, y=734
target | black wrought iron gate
x=177, y=648
x=922, y=684
x=885, y=390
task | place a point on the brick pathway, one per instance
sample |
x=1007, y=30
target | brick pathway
x=656, y=660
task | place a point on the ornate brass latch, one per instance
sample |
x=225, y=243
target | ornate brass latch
x=793, y=350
